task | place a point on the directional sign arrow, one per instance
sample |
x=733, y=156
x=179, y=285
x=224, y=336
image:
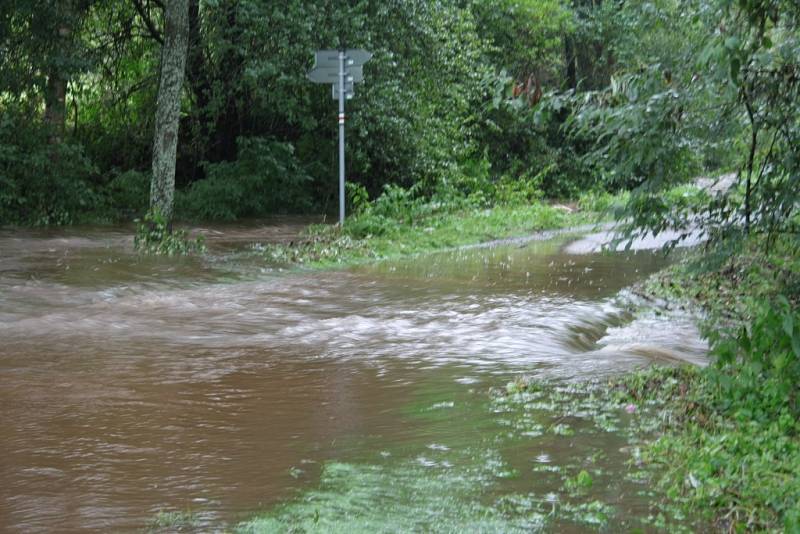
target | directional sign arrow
x=331, y=75
x=357, y=56
x=330, y=58
x=326, y=59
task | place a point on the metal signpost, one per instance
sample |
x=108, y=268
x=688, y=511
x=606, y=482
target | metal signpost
x=342, y=69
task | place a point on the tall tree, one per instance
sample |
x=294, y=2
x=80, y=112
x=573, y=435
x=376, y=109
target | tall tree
x=168, y=106
x=41, y=52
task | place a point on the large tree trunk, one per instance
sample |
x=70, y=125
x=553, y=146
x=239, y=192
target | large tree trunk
x=55, y=102
x=165, y=142
x=55, y=106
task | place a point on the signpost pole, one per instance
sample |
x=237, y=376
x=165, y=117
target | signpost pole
x=342, y=69
x=342, y=96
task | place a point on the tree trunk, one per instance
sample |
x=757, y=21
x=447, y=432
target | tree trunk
x=197, y=81
x=569, y=61
x=748, y=193
x=55, y=101
x=165, y=142
x=228, y=126
x=55, y=107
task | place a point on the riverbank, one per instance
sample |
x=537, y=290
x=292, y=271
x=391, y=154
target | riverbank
x=396, y=225
x=729, y=447
x=368, y=237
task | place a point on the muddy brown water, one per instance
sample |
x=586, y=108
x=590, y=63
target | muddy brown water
x=135, y=385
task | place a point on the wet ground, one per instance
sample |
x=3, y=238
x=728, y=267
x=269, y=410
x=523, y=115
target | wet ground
x=144, y=392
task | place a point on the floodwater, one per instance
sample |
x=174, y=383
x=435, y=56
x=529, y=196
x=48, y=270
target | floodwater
x=218, y=387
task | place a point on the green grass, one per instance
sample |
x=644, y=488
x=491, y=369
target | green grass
x=729, y=282
x=396, y=225
x=730, y=443
x=175, y=521
x=369, y=237
x=741, y=474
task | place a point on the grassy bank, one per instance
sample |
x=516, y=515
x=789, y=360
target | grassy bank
x=370, y=236
x=737, y=471
x=730, y=443
x=398, y=224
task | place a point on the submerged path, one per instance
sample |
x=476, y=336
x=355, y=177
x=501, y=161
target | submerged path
x=216, y=387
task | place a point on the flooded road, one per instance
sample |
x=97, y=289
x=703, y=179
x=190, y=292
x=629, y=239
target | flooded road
x=216, y=387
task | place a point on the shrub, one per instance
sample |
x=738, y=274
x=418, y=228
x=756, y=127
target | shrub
x=129, y=192
x=265, y=179
x=154, y=236
x=42, y=183
x=760, y=367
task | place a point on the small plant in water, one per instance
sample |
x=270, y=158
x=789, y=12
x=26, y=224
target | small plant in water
x=154, y=236
x=175, y=521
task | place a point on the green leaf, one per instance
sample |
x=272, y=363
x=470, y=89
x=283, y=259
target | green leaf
x=788, y=324
x=736, y=66
x=732, y=43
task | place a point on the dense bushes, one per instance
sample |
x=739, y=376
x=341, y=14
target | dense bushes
x=731, y=445
x=761, y=366
x=266, y=178
x=129, y=193
x=43, y=183
x=737, y=473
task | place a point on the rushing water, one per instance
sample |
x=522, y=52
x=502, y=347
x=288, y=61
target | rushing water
x=217, y=385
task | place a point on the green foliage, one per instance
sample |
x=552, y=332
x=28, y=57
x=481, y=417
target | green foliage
x=41, y=183
x=738, y=471
x=40, y=38
x=760, y=367
x=582, y=481
x=155, y=236
x=684, y=96
x=602, y=202
x=266, y=178
x=129, y=192
x=397, y=224
x=658, y=91
x=526, y=36
x=520, y=191
x=436, y=110
x=732, y=439
x=730, y=283
x=629, y=123
x=175, y=521
x=357, y=197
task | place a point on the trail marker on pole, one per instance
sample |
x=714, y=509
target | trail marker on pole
x=342, y=69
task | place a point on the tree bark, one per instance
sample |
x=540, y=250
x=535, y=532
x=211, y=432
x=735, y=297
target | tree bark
x=55, y=101
x=569, y=61
x=168, y=107
x=55, y=106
